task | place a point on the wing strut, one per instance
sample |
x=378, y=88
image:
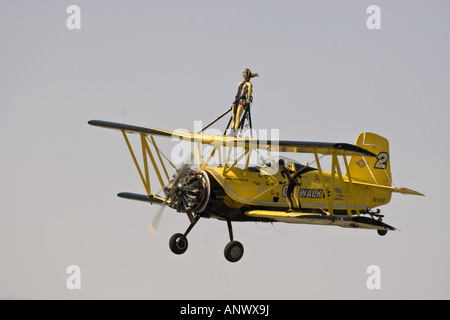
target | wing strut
x=322, y=180
x=147, y=153
x=352, y=188
x=338, y=167
x=334, y=192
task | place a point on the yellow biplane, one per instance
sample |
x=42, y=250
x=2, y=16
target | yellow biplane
x=235, y=190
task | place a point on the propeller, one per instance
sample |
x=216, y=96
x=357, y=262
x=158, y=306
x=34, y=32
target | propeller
x=171, y=188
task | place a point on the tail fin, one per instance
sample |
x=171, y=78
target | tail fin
x=368, y=169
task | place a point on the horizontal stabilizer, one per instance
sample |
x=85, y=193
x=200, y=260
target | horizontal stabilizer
x=142, y=197
x=388, y=188
x=407, y=191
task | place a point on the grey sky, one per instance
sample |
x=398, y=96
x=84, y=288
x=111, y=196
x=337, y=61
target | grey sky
x=323, y=77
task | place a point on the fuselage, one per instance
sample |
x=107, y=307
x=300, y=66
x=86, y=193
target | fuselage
x=235, y=191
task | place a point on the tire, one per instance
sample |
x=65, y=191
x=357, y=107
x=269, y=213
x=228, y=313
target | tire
x=178, y=243
x=234, y=251
x=382, y=232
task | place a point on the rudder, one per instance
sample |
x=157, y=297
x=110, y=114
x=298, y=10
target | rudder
x=369, y=169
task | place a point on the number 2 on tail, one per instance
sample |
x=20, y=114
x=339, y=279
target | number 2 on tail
x=382, y=161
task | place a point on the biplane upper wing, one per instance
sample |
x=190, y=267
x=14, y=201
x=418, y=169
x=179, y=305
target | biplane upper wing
x=250, y=143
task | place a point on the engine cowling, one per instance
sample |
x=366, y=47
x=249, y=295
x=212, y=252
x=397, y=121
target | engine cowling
x=191, y=192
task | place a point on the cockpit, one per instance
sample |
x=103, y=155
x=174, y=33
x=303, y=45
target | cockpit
x=270, y=166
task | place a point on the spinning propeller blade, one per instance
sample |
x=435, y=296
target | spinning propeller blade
x=172, y=188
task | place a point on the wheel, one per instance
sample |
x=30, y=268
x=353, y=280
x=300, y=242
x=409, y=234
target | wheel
x=178, y=243
x=382, y=232
x=234, y=251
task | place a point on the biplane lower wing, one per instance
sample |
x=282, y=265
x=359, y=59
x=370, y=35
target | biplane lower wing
x=153, y=199
x=327, y=148
x=318, y=219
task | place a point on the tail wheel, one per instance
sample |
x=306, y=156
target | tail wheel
x=234, y=251
x=178, y=243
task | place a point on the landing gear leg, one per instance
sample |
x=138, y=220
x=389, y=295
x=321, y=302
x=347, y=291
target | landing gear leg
x=230, y=229
x=234, y=250
x=178, y=243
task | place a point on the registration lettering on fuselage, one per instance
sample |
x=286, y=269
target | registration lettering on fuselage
x=306, y=193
